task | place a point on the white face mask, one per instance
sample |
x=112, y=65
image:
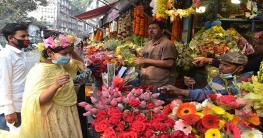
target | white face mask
x=230, y=75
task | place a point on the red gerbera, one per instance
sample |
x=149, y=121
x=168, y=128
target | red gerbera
x=232, y=130
x=200, y=127
x=167, y=109
x=210, y=121
x=191, y=119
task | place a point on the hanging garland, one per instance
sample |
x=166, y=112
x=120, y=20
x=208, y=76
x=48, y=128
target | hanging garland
x=161, y=8
x=173, y=12
x=139, y=20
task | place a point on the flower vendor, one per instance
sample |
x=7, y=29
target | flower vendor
x=158, y=64
x=252, y=65
x=49, y=102
x=231, y=63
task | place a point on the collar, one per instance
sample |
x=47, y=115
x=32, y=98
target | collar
x=158, y=41
x=13, y=48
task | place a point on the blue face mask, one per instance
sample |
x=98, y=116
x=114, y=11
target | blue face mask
x=230, y=75
x=62, y=60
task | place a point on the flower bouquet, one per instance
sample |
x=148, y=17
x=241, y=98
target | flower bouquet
x=213, y=42
x=128, y=113
x=219, y=116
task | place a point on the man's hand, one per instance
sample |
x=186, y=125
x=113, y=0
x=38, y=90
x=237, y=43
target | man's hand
x=133, y=51
x=173, y=90
x=201, y=61
x=11, y=118
x=140, y=61
x=189, y=81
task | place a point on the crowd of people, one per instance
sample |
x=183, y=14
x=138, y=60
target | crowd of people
x=43, y=102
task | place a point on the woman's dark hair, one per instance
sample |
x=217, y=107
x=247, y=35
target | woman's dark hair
x=161, y=24
x=11, y=28
x=56, y=50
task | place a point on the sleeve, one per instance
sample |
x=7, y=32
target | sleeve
x=169, y=51
x=73, y=66
x=202, y=94
x=215, y=63
x=253, y=65
x=6, y=76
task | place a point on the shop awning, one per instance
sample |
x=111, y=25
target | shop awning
x=95, y=12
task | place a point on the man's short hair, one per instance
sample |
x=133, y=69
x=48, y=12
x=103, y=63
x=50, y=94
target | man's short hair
x=235, y=58
x=161, y=24
x=11, y=28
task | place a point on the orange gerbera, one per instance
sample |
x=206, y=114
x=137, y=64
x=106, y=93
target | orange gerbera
x=252, y=120
x=186, y=109
x=207, y=111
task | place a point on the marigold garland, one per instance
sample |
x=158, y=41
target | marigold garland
x=161, y=8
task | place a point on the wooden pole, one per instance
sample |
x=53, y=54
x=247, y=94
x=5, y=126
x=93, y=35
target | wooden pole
x=177, y=39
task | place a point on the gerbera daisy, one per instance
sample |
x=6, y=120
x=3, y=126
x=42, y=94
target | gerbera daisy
x=228, y=117
x=212, y=133
x=180, y=125
x=218, y=110
x=232, y=130
x=207, y=111
x=200, y=127
x=191, y=119
x=254, y=133
x=210, y=121
x=253, y=120
x=221, y=124
x=186, y=109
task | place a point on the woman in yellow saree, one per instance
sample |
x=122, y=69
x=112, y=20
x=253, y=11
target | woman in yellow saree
x=49, y=101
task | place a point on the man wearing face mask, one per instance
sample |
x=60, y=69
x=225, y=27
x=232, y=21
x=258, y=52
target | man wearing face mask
x=231, y=64
x=12, y=74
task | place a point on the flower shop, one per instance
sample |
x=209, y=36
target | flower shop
x=120, y=107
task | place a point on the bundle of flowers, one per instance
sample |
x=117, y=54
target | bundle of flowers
x=100, y=59
x=124, y=53
x=94, y=49
x=134, y=113
x=213, y=42
x=253, y=92
x=185, y=56
x=219, y=116
x=242, y=43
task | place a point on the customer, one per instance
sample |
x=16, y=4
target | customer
x=252, y=65
x=49, y=102
x=158, y=64
x=231, y=64
x=12, y=74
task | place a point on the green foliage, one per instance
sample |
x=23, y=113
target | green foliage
x=139, y=41
x=112, y=44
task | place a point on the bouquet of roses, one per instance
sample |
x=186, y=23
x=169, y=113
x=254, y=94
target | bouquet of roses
x=99, y=58
x=136, y=113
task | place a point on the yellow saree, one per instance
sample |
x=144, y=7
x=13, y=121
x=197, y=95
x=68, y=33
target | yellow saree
x=59, y=117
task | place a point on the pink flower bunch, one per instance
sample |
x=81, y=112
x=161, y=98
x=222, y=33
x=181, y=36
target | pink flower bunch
x=138, y=114
x=63, y=41
x=230, y=102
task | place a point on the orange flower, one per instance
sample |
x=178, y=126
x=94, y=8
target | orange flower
x=105, y=62
x=252, y=120
x=207, y=111
x=186, y=109
x=210, y=121
x=235, y=120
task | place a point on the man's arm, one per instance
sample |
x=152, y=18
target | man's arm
x=158, y=63
x=6, y=86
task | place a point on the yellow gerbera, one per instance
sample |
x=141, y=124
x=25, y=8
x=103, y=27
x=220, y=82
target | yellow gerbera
x=212, y=133
x=221, y=124
x=218, y=110
x=229, y=117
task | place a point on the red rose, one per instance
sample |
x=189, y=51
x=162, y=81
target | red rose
x=170, y=123
x=138, y=126
x=167, y=109
x=101, y=126
x=134, y=103
x=113, y=121
x=140, y=117
x=163, y=127
x=150, y=106
x=101, y=115
x=110, y=133
x=164, y=135
x=128, y=116
x=148, y=133
x=160, y=117
x=112, y=111
x=121, y=125
x=130, y=134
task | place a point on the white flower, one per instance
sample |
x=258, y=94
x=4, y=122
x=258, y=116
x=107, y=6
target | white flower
x=254, y=133
x=205, y=103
